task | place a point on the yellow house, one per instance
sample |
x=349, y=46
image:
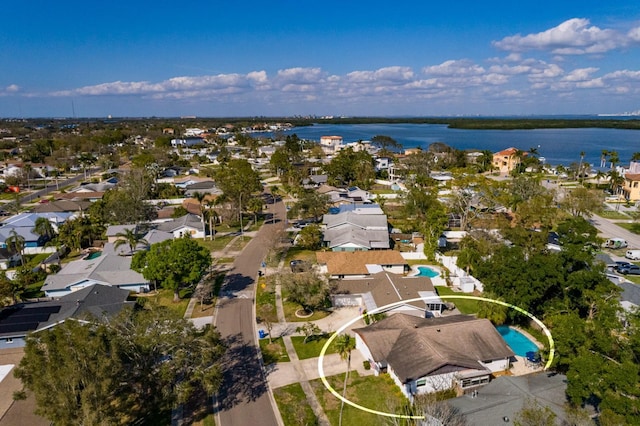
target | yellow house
x=631, y=186
x=506, y=160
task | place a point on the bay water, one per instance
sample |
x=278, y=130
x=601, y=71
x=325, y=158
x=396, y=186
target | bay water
x=557, y=146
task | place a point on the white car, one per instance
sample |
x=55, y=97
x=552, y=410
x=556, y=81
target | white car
x=632, y=254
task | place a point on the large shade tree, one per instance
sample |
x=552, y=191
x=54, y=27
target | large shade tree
x=132, y=369
x=238, y=181
x=173, y=264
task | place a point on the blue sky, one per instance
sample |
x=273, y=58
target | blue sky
x=246, y=58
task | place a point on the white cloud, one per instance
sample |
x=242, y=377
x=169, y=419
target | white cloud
x=634, y=34
x=580, y=74
x=12, y=88
x=454, y=68
x=572, y=37
x=389, y=74
x=513, y=78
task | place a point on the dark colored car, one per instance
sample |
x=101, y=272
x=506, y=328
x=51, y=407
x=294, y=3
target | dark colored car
x=631, y=270
x=621, y=265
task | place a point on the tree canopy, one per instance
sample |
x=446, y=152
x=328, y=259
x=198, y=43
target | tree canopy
x=238, y=181
x=133, y=368
x=351, y=167
x=173, y=264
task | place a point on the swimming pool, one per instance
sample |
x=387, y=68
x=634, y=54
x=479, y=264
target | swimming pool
x=93, y=255
x=425, y=271
x=518, y=342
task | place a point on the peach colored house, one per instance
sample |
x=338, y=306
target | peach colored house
x=506, y=160
x=631, y=186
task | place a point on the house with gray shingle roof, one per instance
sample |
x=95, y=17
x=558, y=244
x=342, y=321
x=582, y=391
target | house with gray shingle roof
x=108, y=269
x=429, y=355
x=189, y=224
x=95, y=301
x=352, y=231
x=506, y=396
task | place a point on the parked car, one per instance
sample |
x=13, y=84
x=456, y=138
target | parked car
x=631, y=270
x=615, y=243
x=620, y=265
x=632, y=254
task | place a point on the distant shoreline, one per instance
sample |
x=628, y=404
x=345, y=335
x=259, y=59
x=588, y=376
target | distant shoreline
x=626, y=122
x=498, y=123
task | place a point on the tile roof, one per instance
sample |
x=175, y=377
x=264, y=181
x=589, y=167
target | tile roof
x=416, y=347
x=632, y=176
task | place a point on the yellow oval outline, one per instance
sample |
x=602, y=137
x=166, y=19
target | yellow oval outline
x=403, y=302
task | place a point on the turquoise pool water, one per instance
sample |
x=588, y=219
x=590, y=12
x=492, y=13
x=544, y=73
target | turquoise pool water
x=425, y=271
x=94, y=255
x=517, y=341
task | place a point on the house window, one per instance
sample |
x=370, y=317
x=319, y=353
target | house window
x=8, y=340
x=474, y=381
x=421, y=382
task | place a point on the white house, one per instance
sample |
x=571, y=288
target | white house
x=429, y=355
x=330, y=144
x=108, y=269
x=188, y=224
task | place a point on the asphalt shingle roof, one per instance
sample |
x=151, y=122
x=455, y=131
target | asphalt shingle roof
x=416, y=347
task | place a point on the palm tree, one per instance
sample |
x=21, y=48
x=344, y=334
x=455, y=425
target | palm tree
x=255, y=206
x=200, y=196
x=614, y=159
x=213, y=216
x=44, y=228
x=603, y=158
x=16, y=243
x=28, y=168
x=344, y=345
x=130, y=237
x=580, y=165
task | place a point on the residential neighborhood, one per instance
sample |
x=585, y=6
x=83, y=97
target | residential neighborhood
x=478, y=287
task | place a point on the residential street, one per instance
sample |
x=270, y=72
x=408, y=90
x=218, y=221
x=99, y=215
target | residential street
x=244, y=397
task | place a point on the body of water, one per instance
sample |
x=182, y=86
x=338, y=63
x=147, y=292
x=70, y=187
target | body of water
x=557, y=146
x=517, y=341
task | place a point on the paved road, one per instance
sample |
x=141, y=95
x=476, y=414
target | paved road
x=608, y=229
x=244, y=396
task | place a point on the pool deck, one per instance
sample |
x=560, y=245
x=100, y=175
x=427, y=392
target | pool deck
x=519, y=364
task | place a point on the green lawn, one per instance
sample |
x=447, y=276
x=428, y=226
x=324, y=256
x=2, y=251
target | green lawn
x=464, y=306
x=293, y=406
x=299, y=253
x=291, y=308
x=312, y=348
x=165, y=298
x=633, y=227
x=33, y=290
x=218, y=244
x=266, y=295
x=273, y=352
x=612, y=214
x=374, y=392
